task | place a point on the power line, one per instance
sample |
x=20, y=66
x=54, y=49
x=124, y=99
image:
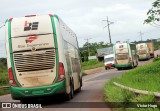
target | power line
x=108, y=23
x=140, y=33
x=2, y=26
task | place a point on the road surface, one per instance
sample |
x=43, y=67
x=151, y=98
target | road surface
x=92, y=91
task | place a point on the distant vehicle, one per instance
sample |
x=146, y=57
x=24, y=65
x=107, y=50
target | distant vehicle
x=143, y=51
x=42, y=57
x=125, y=55
x=151, y=48
x=109, y=61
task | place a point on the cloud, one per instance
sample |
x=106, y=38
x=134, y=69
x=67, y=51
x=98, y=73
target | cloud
x=85, y=17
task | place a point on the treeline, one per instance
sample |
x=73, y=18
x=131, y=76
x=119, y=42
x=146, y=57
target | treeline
x=3, y=64
x=90, y=49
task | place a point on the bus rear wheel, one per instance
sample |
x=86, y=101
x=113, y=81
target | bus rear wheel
x=71, y=94
x=80, y=85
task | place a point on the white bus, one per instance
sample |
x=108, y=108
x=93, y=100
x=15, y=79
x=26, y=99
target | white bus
x=125, y=55
x=42, y=57
x=143, y=51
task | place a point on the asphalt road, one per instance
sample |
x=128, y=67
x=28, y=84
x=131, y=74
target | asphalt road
x=92, y=91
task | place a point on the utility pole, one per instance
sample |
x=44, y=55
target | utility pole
x=140, y=33
x=127, y=40
x=108, y=23
x=88, y=44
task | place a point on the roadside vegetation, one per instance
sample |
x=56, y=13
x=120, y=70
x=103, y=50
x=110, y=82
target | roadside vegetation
x=3, y=76
x=91, y=64
x=145, y=77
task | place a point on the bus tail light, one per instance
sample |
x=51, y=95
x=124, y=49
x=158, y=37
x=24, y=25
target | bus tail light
x=10, y=19
x=130, y=60
x=11, y=77
x=51, y=15
x=61, y=72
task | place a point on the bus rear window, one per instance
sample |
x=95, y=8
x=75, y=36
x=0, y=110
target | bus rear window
x=122, y=56
x=142, y=51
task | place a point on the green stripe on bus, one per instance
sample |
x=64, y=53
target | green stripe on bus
x=56, y=45
x=11, y=53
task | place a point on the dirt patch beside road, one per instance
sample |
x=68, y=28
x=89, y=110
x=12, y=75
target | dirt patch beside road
x=95, y=70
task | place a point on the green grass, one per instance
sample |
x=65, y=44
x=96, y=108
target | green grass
x=3, y=92
x=91, y=64
x=3, y=79
x=145, y=77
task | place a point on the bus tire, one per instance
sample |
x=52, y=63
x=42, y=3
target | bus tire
x=70, y=95
x=80, y=82
x=79, y=89
x=136, y=63
x=132, y=66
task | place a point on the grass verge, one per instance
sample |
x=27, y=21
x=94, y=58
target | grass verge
x=91, y=64
x=4, y=81
x=144, y=78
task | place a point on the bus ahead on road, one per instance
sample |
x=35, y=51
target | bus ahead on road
x=42, y=57
x=125, y=55
x=143, y=51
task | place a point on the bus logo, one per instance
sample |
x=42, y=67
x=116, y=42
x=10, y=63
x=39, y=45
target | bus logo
x=30, y=26
x=120, y=46
x=31, y=38
x=141, y=46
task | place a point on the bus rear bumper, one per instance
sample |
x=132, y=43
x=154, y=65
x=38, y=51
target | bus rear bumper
x=143, y=58
x=123, y=65
x=18, y=93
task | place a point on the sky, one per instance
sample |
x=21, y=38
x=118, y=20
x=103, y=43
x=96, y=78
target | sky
x=85, y=18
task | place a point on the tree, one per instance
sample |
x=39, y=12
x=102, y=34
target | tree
x=92, y=49
x=154, y=14
x=3, y=61
x=85, y=54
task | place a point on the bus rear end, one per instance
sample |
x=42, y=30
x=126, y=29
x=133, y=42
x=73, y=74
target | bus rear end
x=32, y=57
x=142, y=51
x=122, y=56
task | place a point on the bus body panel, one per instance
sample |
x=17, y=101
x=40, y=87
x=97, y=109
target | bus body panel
x=41, y=82
x=151, y=48
x=71, y=55
x=28, y=52
x=7, y=46
x=41, y=91
x=24, y=26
